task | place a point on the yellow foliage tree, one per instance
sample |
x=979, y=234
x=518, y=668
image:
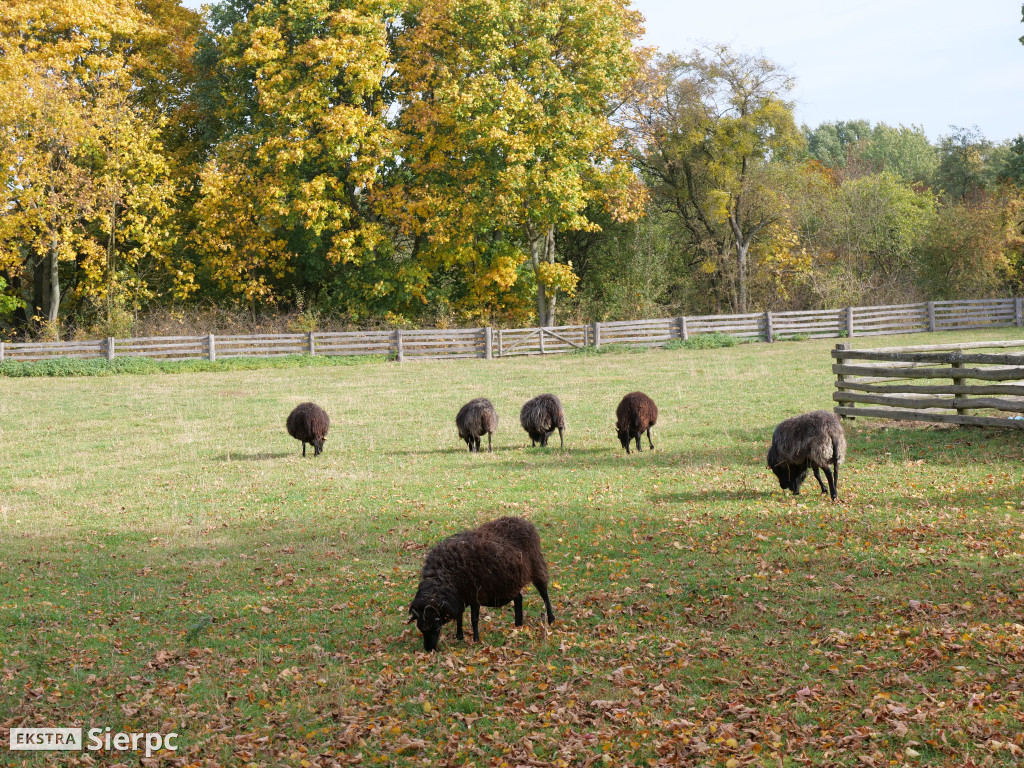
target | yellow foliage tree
x=83, y=179
x=506, y=126
x=287, y=185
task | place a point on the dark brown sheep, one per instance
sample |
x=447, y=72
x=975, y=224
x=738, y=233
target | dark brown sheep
x=489, y=565
x=541, y=416
x=635, y=415
x=477, y=418
x=309, y=423
x=812, y=440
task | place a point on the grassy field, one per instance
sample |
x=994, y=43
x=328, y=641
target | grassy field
x=168, y=560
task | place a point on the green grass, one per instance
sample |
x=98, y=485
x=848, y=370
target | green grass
x=168, y=559
x=64, y=366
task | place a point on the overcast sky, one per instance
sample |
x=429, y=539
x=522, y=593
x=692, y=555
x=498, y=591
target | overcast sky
x=932, y=63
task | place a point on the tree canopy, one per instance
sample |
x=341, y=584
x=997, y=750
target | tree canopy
x=427, y=161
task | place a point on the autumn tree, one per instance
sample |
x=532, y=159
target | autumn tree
x=858, y=148
x=707, y=125
x=963, y=253
x=832, y=142
x=505, y=129
x=83, y=178
x=298, y=146
x=964, y=165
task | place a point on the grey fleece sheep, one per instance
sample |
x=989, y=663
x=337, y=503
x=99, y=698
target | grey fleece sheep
x=635, y=415
x=812, y=440
x=489, y=565
x=477, y=418
x=308, y=423
x=541, y=416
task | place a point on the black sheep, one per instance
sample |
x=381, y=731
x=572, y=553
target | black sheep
x=476, y=418
x=635, y=415
x=309, y=423
x=489, y=565
x=812, y=440
x=541, y=416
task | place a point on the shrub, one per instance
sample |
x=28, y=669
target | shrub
x=710, y=341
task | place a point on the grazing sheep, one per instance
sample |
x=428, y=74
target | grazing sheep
x=635, y=415
x=309, y=423
x=476, y=418
x=489, y=565
x=541, y=416
x=812, y=440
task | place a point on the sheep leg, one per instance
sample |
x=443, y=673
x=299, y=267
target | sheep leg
x=303, y=448
x=544, y=440
x=831, y=484
x=649, y=438
x=474, y=615
x=517, y=603
x=542, y=588
x=561, y=442
x=458, y=627
x=817, y=477
x=489, y=442
x=639, y=448
x=477, y=440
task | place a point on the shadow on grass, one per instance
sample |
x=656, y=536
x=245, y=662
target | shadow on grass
x=880, y=441
x=256, y=456
x=723, y=494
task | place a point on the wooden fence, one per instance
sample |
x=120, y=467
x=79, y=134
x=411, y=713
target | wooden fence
x=942, y=383
x=509, y=342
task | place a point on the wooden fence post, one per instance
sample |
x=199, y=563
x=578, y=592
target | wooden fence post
x=842, y=377
x=769, y=333
x=956, y=383
x=683, y=334
x=500, y=348
x=1, y=353
x=849, y=322
x=399, y=351
x=1018, y=313
x=931, y=317
x=540, y=331
x=487, y=343
x=597, y=335
x=312, y=344
x=110, y=348
x=211, y=347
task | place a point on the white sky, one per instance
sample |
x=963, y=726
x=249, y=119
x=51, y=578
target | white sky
x=932, y=63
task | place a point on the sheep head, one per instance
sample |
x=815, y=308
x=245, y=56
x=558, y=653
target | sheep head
x=790, y=476
x=430, y=616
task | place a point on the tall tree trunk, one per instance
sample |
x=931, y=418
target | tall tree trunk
x=549, y=254
x=742, y=249
x=54, y=281
x=542, y=248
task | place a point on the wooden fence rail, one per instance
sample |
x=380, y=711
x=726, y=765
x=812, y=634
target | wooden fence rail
x=936, y=383
x=489, y=343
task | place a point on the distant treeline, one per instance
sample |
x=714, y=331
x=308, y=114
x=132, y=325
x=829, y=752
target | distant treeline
x=422, y=162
